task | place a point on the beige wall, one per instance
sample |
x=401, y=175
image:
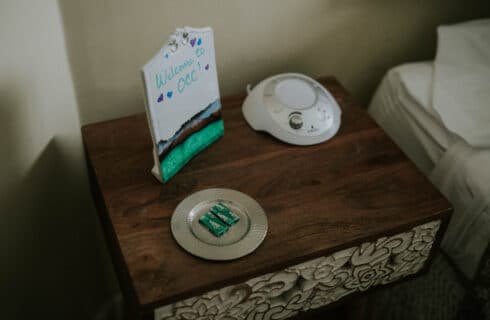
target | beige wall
x=356, y=40
x=53, y=262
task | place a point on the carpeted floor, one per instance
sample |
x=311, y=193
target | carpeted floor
x=437, y=295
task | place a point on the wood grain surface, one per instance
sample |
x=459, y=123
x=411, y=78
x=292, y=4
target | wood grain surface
x=356, y=187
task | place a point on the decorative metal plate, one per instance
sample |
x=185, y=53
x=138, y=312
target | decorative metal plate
x=241, y=239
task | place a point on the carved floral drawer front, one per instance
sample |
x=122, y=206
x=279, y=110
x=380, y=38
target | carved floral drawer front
x=312, y=284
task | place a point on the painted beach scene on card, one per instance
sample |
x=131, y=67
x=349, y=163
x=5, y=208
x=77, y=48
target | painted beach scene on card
x=182, y=99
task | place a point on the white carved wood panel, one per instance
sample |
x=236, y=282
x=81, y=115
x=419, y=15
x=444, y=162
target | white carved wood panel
x=314, y=283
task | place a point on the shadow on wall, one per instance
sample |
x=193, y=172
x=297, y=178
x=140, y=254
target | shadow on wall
x=10, y=170
x=53, y=261
x=54, y=266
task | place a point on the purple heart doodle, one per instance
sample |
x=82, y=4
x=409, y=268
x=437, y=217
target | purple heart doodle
x=193, y=42
x=160, y=98
x=206, y=67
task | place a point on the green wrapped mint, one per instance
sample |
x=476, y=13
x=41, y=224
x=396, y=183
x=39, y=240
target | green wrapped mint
x=225, y=214
x=214, y=224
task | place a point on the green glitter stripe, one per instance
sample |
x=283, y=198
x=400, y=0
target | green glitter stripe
x=185, y=151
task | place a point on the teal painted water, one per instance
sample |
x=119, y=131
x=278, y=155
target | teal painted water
x=194, y=144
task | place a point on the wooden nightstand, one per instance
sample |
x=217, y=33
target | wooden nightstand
x=344, y=216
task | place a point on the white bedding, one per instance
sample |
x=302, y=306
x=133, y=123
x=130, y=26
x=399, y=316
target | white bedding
x=402, y=106
x=461, y=86
x=463, y=176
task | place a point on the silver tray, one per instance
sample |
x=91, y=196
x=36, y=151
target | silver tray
x=241, y=239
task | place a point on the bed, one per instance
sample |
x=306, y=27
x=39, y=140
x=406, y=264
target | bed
x=438, y=112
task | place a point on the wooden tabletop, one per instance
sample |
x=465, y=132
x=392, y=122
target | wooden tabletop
x=356, y=187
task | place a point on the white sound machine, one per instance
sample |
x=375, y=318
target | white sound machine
x=293, y=108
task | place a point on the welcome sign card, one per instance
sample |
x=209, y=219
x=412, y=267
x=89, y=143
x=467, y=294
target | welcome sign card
x=182, y=99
